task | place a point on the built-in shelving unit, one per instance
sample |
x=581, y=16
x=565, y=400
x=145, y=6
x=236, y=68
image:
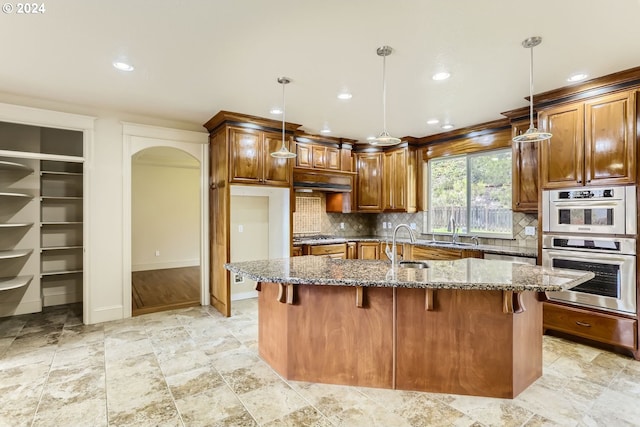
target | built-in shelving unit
x=41, y=217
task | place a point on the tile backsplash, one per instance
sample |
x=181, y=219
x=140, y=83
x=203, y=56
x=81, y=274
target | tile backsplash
x=311, y=217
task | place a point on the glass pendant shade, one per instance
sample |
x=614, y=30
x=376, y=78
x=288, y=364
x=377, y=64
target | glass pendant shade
x=532, y=134
x=283, y=153
x=384, y=139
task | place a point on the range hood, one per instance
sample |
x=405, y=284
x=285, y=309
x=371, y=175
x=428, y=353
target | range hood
x=322, y=180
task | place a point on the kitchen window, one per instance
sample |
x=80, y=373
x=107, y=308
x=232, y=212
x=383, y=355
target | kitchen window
x=474, y=189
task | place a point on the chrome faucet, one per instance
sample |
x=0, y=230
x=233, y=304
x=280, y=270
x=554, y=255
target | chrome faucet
x=394, y=255
x=454, y=229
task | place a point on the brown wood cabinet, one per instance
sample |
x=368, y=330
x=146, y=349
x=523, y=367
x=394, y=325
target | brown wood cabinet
x=251, y=161
x=432, y=253
x=296, y=251
x=524, y=172
x=605, y=328
x=593, y=142
x=333, y=250
x=399, y=180
x=383, y=253
x=352, y=250
x=369, y=182
x=239, y=153
x=324, y=153
x=368, y=250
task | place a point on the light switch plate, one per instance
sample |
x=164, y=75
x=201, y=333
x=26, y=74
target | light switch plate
x=530, y=231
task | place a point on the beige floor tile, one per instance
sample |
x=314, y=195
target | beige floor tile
x=272, y=402
x=194, y=382
x=85, y=413
x=212, y=405
x=307, y=417
x=494, y=412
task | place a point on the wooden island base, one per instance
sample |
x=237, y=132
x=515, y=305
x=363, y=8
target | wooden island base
x=469, y=342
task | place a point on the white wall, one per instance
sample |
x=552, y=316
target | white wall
x=249, y=237
x=165, y=216
x=104, y=274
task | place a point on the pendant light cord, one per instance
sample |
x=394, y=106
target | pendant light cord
x=531, y=90
x=283, y=111
x=384, y=93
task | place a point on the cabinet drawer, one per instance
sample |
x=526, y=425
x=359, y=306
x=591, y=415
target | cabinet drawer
x=600, y=327
x=337, y=248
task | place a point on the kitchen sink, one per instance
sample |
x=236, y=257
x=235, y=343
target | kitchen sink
x=451, y=244
x=413, y=264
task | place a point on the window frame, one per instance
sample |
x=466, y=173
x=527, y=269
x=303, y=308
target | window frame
x=466, y=156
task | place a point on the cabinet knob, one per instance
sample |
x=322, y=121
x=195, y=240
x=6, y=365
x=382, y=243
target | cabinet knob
x=579, y=181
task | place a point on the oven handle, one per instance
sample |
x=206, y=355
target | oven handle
x=548, y=254
x=586, y=205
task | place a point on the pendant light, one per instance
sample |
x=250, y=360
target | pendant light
x=283, y=153
x=532, y=134
x=384, y=138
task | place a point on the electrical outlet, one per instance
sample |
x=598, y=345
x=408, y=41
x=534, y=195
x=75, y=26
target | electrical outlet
x=384, y=225
x=157, y=252
x=413, y=226
x=342, y=226
x=240, y=228
x=530, y=231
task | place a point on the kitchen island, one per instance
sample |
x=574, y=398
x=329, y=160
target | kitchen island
x=468, y=326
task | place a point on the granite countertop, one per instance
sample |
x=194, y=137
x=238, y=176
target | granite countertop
x=501, y=250
x=469, y=273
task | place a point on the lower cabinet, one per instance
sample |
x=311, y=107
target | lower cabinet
x=335, y=250
x=601, y=327
x=422, y=252
x=368, y=250
x=296, y=251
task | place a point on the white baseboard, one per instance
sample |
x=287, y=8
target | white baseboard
x=166, y=264
x=244, y=295
x=13, y=308
x=61, y=298
x=105, y=314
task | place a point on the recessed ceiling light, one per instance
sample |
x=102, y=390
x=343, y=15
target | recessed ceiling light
x=325, y=130
x=275, y=110
x=441, y=76
x=577, y=77
x=433, y=121
x=123, y=66
x=371, y=138
x=447, y=126
x=344, y=95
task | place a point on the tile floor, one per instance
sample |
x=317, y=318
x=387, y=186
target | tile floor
x=193, y=367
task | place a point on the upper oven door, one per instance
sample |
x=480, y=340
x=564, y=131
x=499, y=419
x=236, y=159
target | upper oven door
x=589, y=212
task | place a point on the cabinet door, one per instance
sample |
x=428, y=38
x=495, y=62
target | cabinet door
x=399, y=180
x=388, y=182
x=383, y=253
x=333, y=158
x=303, y=152
x=352, y=252
x=525, y=177
x=277, y=172
x=246, y=155
x=609, y=140
x=369, y=168
x=562, y=156
x=319, y=157
x=420, y=253
x=368, y=250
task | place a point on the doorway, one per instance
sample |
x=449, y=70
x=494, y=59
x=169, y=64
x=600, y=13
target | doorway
x=165, y=230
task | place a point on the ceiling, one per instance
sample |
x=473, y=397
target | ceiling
x=194, y=58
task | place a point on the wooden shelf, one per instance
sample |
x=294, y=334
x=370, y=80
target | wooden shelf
x=74, y=174
x=60, y=248
x=59, y=273
x=12, y=166
x=60, y=198
x=15, y=253
x=16, y=225
x=7, y=283
x=19, y=195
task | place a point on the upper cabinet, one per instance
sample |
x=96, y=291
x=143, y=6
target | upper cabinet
x=251, y=160
x=324, y=153
x=387, y=180
x=592, y=144
x=524, y=172
x=369, y=182
x=399, y=180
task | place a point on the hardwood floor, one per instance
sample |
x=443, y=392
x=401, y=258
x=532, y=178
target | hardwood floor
x=167, y=289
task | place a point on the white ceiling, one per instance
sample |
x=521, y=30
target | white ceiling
x=194, y=58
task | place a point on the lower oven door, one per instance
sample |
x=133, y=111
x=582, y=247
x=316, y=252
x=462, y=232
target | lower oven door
x=613, y=288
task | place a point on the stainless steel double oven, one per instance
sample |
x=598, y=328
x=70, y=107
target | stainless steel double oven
x=593, y=229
